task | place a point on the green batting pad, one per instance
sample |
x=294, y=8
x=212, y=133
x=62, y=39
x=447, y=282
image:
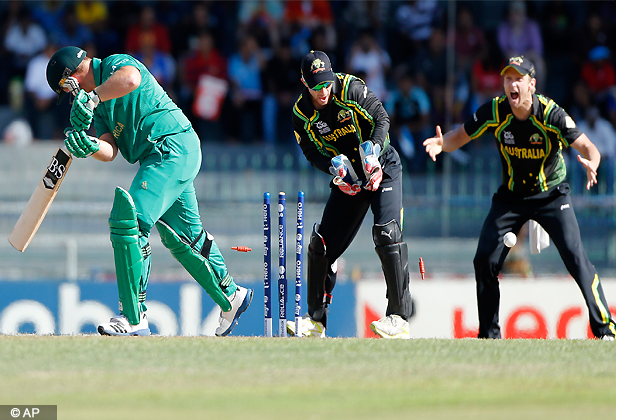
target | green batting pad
x=195, y=264
x=124, y=234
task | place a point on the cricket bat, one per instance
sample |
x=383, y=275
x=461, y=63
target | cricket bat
x=40, y=201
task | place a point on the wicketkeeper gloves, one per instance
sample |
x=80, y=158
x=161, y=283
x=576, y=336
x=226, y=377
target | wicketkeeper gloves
x=370, y=162
x=344, y=175
x=80, y=144
x=82, y=110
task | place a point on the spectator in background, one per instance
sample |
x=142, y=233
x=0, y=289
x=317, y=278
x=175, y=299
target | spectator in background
x=603, y=135
x=321, y=39
x=49, y=14
x=161, y=64
x=486, y=80
x=599, y=75
x=204, y=60
x=72, y=32
x=309, y=13
x=360, y=16
x=558, y=29
x=40, y=103
x=409, y=109
x=106, y=38
x=244, y=73
x=261, y=19
x=91, y=12
x=186, y=36
x=581, y=101
x=469, y=41
x=429, y=66
x=23, y=40
x=368, y=57
x=147, y=24
x=281, y=82
x=302, y=18
x=519, y=35
x=597, y=32
x=416, y=20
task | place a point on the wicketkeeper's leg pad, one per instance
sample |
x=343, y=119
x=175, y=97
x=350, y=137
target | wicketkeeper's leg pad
x=318, y=268
x=393, y=253
x=195, y=263
x=128, y=259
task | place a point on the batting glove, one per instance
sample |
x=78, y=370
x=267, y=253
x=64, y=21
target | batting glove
x=72, y=84
x=344, y=175
x=369, y=153
x=82, y=110
x=80, y=144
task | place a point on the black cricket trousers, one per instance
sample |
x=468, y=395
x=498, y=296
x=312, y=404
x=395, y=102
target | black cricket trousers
x=555, y=213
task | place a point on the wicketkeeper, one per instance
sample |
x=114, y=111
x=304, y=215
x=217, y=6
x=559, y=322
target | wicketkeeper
x=342, y=129
x=134, y=115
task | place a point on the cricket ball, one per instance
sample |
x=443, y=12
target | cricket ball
x=510, y=239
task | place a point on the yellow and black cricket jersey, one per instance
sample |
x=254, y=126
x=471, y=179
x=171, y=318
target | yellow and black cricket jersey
x=531, y=150
x=354, y=115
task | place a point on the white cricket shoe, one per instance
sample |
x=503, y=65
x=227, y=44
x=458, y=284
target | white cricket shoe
x=240, y=300
x=119, y=325
x=608, y=338
x=308, y=327
x=392, y=326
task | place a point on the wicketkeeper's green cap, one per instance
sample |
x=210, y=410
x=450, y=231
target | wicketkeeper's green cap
x=62, y=65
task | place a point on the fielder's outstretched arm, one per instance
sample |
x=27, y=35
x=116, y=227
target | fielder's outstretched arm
x=590, y=157
x=449, y=142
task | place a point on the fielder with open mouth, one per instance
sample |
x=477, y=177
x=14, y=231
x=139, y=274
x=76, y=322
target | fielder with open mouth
x=531, y=131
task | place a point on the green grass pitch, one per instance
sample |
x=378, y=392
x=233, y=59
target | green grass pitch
x=92, y=377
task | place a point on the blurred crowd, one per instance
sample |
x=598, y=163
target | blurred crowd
x=233, y=66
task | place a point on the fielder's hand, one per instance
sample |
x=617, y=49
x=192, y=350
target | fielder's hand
x=434, y=145
x=370, y=162
x=80, y=144
x=589, y=170
x=82, y=110
x=344, y=175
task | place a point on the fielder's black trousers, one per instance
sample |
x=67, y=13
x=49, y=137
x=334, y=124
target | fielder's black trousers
x=554, y=212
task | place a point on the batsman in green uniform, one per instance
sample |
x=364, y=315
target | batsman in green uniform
x=133, y=115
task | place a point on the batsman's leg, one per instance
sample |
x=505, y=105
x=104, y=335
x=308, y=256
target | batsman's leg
x=204, y=262
x=129, y=263
x=195, y=263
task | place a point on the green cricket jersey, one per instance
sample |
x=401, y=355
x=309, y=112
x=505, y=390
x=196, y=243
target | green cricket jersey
x=140, y=119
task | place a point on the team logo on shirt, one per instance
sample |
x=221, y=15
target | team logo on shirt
x=569, y=122
x=509, y=138
x=322, y=127
x=536, y=139
x=344, y=115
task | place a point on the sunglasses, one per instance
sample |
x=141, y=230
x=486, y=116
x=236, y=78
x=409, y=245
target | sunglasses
x=321, y=86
